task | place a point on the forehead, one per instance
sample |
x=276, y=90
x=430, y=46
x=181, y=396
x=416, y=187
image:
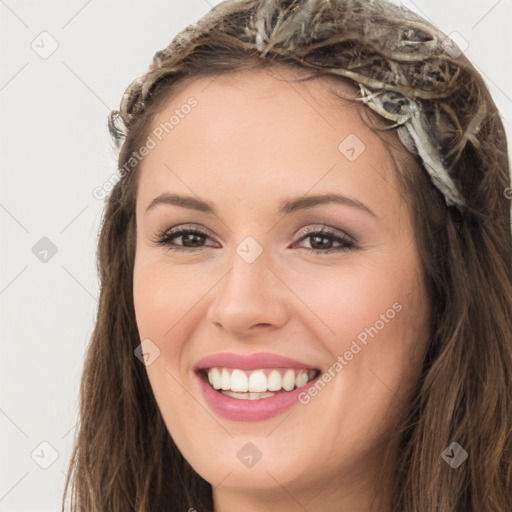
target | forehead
x=259, y=84
x=273, y=130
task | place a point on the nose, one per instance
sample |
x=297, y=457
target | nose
x=250, y=298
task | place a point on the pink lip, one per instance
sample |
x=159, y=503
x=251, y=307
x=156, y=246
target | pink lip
x=250, y=362
x=250, y=410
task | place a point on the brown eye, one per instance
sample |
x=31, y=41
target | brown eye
x=194, y=238
x=322, y=241
x=191, y=239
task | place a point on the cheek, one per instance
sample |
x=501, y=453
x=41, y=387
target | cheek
x=348, y=299
x=164, y=299
x=163, y=294
x=375, y=316
x=380, y=324
x=330, y=306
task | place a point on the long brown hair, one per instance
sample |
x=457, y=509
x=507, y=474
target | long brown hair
x=124, y=458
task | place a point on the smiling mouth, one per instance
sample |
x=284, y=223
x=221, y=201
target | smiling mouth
x=257, y=384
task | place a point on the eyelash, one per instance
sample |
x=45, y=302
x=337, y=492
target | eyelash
x=164, y=239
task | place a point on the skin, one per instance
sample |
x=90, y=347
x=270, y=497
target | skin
x=251, y=142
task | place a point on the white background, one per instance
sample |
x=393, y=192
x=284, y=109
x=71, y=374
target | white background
x=55, y=149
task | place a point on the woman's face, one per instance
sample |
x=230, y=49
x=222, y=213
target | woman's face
x=262, y=165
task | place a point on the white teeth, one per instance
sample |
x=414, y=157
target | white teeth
x=289, y=380
x=247, y=396
x=256, y=384
x=239, y=381
x=215, y=378
x=274, y=381
x=226, y=379
x=301, y=379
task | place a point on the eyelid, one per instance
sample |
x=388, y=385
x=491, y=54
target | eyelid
x=192, y=226
x=313, y=228
x=323, y=228
x=161, y=236
x=179, y=229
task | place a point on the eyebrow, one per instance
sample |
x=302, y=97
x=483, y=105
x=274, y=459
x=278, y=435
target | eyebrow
x=286, y=206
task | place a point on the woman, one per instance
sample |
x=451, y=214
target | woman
x=305, y=274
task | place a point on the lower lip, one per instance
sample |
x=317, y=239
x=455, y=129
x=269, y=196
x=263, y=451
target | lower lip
x=250, y=410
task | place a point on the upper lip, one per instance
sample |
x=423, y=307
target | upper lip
x=250, y=362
